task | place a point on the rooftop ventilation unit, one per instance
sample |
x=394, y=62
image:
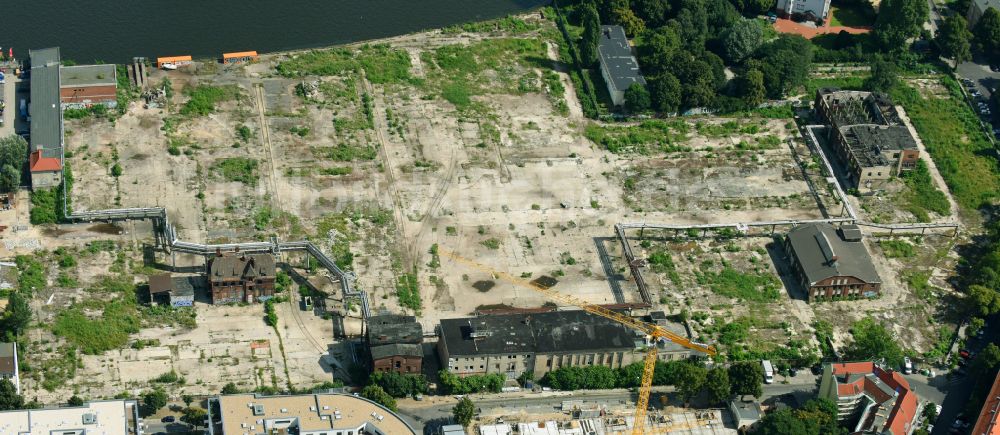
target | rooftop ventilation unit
x=89, y=419
x=258, y=409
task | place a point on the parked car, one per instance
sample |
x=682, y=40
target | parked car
x=964, y=353
x=168, y=419
x=995, y=67
x=907, y=366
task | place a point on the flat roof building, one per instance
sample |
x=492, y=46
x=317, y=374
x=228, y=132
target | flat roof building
x=514, y=343
x=868, y=135
x=111, y=417
x=306, y=414
x=832, y=262
x=240, y=56
x=85, y=85
x=618, y=65
x=870, y=399
x=8, y=365
x=173, y=61
x=177, y=291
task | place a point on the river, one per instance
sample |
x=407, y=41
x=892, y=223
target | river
x=117, y=30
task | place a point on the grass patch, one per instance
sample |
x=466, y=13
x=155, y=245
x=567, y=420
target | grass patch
x=923, y=196
x=97, y=333
x=852, y=16
x=382, y=64
x=240, y=169
x=491, y=243
x=506, y=24
x=897, y=248
x=846, y=83
x=953, y=137
x=408, y=291
x=346, y=152
x=202, y=99
x=664, y=136
x=750, y=286
x=457, y=93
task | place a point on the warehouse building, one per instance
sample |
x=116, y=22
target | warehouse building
x=832, y=262
x=394, y=343
x=45, y=111
x=867, y=134
x=540, y=342
x=86, y=85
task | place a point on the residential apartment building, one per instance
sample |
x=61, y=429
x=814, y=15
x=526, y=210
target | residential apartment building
x=988, y=422
x=832, y=262
x=514, y=343
x=812, y=10
x=394, y=343
x=8, y=365
x=305, y=414
x=619, y=68
x=868, y=135
x=241, y=278
x=869, y=398
x=109, y=417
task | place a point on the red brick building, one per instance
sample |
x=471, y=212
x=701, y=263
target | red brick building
x=832, y=262
x=241, y=278
x=86, y=85
x=394, y=342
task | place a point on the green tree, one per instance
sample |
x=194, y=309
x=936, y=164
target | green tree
x=376, y=394
x=982, y=301
x=75, y=400
x=637, y=98
x=399, y=385
x=230, y=388
x=985, y=362
x=17, y=315
x=898, y=21
x=9, y=399
x=873, y=341
x=632, y=24
x=657, y=51
x=717, y=384
x=740, y=40
x=153, y=400
x=954, y=39
x=194, y=416
x=591, y=35
x=525, y=377
x=690, y=380
x=883, y=75
x=816, y=417
x=653, y=12
x=187, y=399
x=781, y=422
x=464, y=411
x=784, y=63
x=665, y=93
x=746, y=378
x=987, y=33
x=13, y=156
x=751, y=87
x=691, y=24
x=116, y=170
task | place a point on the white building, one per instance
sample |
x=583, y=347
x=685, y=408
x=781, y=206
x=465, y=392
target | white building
x=305, y=414
x=8, y=365
x=618, y=65
x=112, y=417
x=814, y=10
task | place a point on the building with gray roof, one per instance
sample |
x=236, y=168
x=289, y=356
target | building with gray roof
x=241, y=278
x=45, y=111
x=394, y=343
x=87, y=85
x=977, y=8
x=618, y=65
x=8, y=365
x=832, y=262
x=540, y=342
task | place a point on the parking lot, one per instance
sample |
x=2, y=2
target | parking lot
x=979, y=91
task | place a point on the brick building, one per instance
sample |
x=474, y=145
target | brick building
x=394, y=343
x=832, y=261
x=541, y=342
x=867, y=134
x=86, y=85
x=241, y=278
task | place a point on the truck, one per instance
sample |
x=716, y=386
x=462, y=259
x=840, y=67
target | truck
x=768, y=371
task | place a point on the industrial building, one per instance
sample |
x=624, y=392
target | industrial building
x=86, y=85
x=618, y=65
x=540, y=342
x=799, y=10
x=8, y=365
x=45, y=111
x=394, y=343
x=176, y=291
x=239, y=57
x=868, y=135
x=832, y=262
x=306, y=414
x=869, y=398
x=109, y=417
x=171, y=62
x=241, y=278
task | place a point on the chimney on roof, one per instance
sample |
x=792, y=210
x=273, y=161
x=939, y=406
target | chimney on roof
x=218, y=252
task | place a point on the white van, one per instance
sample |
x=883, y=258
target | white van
x=768, y=371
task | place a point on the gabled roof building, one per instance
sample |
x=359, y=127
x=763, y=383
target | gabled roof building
x=8, y=365
x=394, y=342
x=832, y=262
x=45, y=111
x=869, y=398
x=241, y=278
x=618, y=65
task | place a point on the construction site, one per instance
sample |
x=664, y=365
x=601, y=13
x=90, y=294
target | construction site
x=439, y=175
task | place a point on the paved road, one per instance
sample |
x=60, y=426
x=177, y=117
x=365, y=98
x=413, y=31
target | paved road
x=959, y=388
x=985, y=79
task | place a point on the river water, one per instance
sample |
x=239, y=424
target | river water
x=117, y=30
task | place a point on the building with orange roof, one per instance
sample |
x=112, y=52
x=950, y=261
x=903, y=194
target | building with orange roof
x=989, y=417
x=239, y=57
x=869, y=398
x=173, y=60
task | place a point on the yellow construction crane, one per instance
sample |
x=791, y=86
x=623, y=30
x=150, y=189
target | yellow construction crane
x=654, y=332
